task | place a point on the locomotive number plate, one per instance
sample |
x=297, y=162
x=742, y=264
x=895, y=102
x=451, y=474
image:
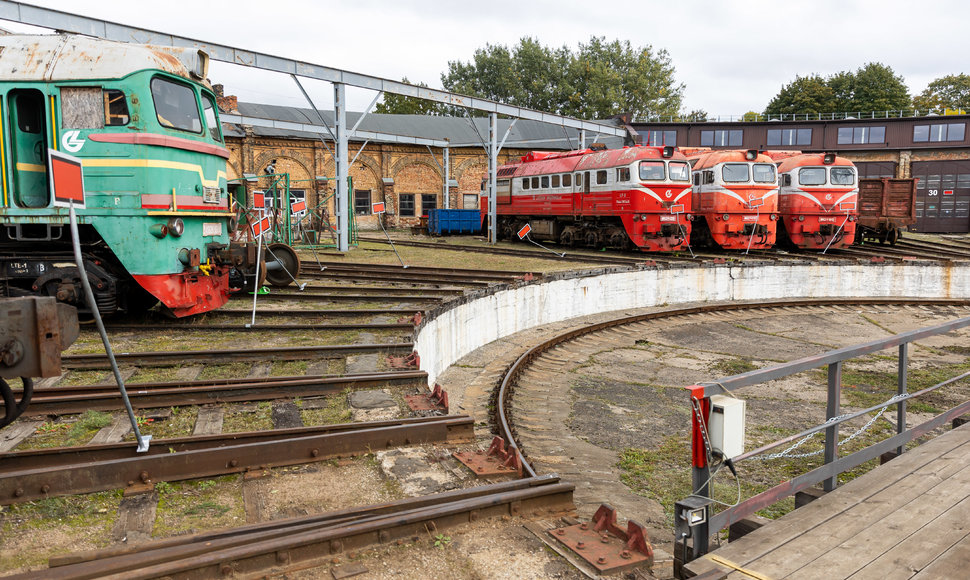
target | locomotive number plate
x=211, y=194
x=211, y=229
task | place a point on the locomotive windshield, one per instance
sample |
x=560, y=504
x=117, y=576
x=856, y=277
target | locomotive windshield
x=735, y=172
x=651, y=170
x=842, y=176
x=811, y=176
x=679, y=171
x=175, y=105
x=764, y=173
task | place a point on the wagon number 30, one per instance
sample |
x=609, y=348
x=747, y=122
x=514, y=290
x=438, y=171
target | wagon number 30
x=932, y=192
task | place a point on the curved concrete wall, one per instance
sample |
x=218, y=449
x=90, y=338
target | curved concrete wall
x=459, y=327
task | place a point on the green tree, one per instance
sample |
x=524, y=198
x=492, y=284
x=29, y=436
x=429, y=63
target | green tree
x=951, y=92
x=598, y=81
x=804, y=95
x=695, y=116
x=751, y=116
x=874, y=87
x=404, y=105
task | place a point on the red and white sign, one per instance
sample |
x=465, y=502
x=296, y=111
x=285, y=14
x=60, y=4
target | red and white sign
x=298, y=207
x=378, y=207
x=524, y=231
x=258, y=200
x=826, y=220
x=668, y=218
x=847, y=206
x=947, y=192
x=749, y=218
x=66, y=179
x=260, y=226
x=678, y=208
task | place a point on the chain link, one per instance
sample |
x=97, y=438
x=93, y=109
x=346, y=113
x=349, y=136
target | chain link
x=786, y=453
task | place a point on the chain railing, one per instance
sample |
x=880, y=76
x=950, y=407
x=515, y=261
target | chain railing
x=694, y=517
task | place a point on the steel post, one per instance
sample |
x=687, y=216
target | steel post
x=492, y=178
x=342, y=203
x=445, y=189
x=902, y=379
x=832, y=410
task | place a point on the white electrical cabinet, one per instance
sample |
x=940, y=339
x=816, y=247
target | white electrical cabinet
x=726, y=426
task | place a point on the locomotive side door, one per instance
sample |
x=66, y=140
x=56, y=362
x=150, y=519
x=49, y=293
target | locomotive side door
x=28, y=147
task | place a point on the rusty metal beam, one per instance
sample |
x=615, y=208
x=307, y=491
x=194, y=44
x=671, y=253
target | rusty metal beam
x=64, y=471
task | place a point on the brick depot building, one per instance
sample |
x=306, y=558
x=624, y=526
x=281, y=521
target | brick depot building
x=409, y=179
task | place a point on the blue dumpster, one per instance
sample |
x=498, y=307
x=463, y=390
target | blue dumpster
x=453, y=221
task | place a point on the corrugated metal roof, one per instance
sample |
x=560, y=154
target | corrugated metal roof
x=461, y=131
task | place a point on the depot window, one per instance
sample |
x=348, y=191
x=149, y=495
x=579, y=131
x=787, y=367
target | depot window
x=861, y=135
x=939, y=132
x=658, y=138
x=842, y=176
x=811, y=176
x=405, y=204
x=651, y=170
x=429, y=201
x=789, y=137
x=722, y=138
x=735, y=172
x=175, y=105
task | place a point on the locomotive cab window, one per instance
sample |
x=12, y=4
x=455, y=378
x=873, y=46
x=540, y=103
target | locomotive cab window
x=735, y=172
x=786, y=180
x=579, y=180
x=92, y=108
x=175, y=105
x=842, y=176
x=525, y=183
x=764, y=173
x=601, y=177
x=211, y=123
x=545, y=181
x=567, y=179
x=555, y=181
x=652, y=170
x=811, y=176
x=535, y=183
x=623, y=174
x=678, y=170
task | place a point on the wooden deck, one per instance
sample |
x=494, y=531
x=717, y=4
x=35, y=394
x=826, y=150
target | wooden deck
x=909, y=518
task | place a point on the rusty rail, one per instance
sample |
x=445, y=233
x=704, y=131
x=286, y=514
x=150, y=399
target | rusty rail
x=99, y=361
x=31, y=475
x=294, y=544
x=64, y=400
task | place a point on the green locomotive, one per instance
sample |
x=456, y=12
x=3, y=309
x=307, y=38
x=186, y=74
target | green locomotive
x=157, y=216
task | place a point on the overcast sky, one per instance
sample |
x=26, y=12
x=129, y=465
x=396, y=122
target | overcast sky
x=732, y=56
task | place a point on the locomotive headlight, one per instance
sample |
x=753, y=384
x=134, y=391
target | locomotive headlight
x=158, y=230
x=801, y=218
x=853, y=218
x=725, y=217
x=176, y=226
x=774, y=217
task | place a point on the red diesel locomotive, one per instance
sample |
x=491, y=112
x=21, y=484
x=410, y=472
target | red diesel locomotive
x=635, y=196
x=734, y=199
x=818, y=199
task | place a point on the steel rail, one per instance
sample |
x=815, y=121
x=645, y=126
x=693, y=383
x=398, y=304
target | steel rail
x=405, y=276
x=209, y=327
x=379, y=290
x=66, y=400
x=306, y=542
x=391, y=268
x=64, y=471
x=301, y=297
x=346, y=312
x=502, y=396
x=98, y=361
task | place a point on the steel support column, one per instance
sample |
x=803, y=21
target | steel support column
x=492, y=178
x=582, y=139
x=342, y=202
x=446, y=190
x=832, y=410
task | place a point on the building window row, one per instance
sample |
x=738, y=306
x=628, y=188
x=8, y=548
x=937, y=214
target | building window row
x=939, y=132
x=861, y=135
x=789, y=137
x=722, y=138
x=660, y=138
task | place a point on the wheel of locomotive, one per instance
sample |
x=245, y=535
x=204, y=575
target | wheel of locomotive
x=139, y=300
x=883, y=236
x=505, y=230
x=282, y=264
x=592, y=239
x=568, y=237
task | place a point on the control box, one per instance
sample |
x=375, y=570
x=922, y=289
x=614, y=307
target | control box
x=726, y=425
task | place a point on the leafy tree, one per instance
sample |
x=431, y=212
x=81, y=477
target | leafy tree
x=804, y=95
x=751, y=116
x=598, y=81
x=695, y=116
x=874, y=87
x=404, y=105
x=949, y=92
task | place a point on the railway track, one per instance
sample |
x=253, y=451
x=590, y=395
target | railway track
x=78, y=399
x=37, y=474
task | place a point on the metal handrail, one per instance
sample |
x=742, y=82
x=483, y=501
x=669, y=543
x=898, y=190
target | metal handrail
x=794, y=117
x=833, y=465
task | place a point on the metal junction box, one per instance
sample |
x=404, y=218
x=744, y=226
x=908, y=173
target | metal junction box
x=726, y=426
